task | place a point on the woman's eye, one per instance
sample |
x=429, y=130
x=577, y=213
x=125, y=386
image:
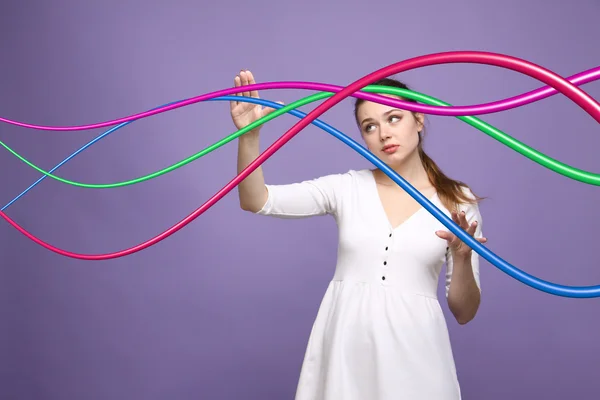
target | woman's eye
x=394, y=117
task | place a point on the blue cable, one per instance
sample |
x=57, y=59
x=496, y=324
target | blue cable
x=498, y=262
x=504, y=266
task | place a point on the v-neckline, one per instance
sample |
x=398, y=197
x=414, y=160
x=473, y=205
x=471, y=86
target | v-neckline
x=382, y=208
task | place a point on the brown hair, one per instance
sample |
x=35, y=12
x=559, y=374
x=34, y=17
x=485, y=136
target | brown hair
x=449, y=191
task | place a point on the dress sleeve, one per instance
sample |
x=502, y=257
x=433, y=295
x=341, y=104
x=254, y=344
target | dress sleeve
x=472, y=214
x=316, y=197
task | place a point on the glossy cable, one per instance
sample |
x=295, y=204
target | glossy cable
x=475, y=57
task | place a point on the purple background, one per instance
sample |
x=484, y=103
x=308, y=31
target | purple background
x=223, y=308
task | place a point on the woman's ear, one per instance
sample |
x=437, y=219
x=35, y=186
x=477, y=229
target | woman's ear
x=420, y=117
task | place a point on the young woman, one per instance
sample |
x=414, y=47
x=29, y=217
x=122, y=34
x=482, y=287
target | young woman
x=380, y=332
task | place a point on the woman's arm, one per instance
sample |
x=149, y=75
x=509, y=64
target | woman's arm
x=463, y=288
x=464, y=295
x=252, y=191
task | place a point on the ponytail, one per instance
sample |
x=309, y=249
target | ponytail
x=450, y=192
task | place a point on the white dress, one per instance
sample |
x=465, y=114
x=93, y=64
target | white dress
x=380, y=333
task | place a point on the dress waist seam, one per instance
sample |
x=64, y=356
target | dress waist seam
x=390, y=286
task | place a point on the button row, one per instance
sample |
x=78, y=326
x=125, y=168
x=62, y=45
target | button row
x=385, y=262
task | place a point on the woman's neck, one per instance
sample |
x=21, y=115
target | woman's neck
x=412, y=171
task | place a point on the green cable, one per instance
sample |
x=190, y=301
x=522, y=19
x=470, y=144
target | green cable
x=527, y=151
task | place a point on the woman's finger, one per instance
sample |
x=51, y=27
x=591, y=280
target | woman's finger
x=251, y=81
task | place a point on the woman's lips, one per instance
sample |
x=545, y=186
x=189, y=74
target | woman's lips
x=390, y=149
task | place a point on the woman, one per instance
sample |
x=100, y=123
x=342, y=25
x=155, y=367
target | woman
x=380, y=332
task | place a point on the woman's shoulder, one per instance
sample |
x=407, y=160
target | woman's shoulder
x=468, y=192
x=471, y=205
x=341, y=182
x=349, y=176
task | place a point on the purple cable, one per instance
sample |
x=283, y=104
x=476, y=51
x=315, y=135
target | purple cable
x=486, y=108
